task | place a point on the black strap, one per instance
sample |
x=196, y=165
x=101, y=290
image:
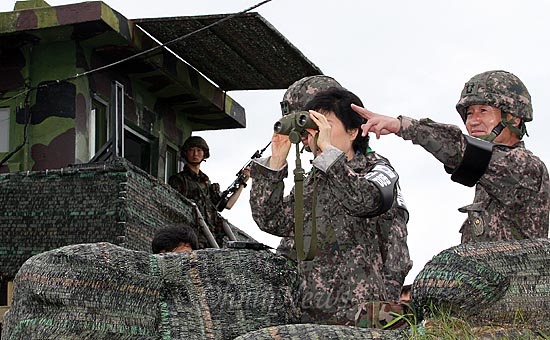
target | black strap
x=385, y=179
x=475, y=161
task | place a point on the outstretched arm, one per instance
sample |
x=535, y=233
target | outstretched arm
x=237, y=193
x=377, y=123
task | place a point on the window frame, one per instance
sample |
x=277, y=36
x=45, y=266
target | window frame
x=93, y=145
x=5, y=121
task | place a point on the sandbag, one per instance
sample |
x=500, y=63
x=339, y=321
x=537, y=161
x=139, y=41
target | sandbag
x=323, y=332
x=505, y=282
x=103, y=291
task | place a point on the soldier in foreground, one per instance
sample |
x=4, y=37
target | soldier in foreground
x=174, y=239
x=511, y=183
x=342, y=194
x=194, y=184
x=390, y=226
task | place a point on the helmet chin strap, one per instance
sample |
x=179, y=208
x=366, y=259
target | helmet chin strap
x=195, y=163
x=497, y=130
x=494, y=133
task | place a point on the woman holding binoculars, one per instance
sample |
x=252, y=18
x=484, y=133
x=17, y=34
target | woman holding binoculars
x=347, y=196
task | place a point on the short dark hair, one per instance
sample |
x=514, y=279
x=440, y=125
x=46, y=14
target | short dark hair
x=339, y=100
x=169, y=238
x=406, y=289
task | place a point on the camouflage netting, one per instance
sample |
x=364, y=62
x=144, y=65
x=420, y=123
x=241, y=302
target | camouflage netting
x=490, y=283
x=102, y=291
x=114, y=202
x=322, y=332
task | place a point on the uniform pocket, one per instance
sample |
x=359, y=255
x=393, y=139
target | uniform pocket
x=477, y=219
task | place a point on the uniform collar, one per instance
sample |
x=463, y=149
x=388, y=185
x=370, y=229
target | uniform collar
x=201, y=176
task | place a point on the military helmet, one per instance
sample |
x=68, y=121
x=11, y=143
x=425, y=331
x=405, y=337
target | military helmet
x=499, y=89
x=302, y=91
x=195, y=141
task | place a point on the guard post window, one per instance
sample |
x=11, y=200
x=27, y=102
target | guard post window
x=4, y=129
x=171, y=163
x=99, y=125
x=137, y=148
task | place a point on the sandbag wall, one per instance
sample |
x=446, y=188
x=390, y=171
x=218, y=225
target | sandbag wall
x=103, y=291
x=113, y=202
x=490, y=283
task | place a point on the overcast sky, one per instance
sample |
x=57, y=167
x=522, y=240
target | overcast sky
x=399, y=57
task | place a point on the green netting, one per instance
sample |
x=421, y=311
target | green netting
x=113, y=202
x=102, y=291
x=323, y=332
x=504, y=282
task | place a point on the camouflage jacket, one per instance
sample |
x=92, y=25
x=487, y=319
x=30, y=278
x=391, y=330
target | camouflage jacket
x=199, y=189
x=348, y=269
x=511, y=198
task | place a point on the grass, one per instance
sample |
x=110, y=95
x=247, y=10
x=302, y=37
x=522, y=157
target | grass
x=442, y=325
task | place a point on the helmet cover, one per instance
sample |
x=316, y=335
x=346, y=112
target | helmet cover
x=195, y=141
x=302, y=91
x=499, y=89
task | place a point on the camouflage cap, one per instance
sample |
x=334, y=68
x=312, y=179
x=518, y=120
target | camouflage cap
x=302, y=91
x=499, y=89
x=195, y=141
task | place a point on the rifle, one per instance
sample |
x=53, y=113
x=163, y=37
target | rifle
x=239, y=181
x=202, y=223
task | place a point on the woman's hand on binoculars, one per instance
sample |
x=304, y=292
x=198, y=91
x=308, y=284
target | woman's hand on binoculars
x=324, y=139
x=280, y=146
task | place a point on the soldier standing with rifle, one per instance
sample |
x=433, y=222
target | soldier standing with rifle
x=196, y=186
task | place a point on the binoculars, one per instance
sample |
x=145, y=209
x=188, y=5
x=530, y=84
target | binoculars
x=294, y=125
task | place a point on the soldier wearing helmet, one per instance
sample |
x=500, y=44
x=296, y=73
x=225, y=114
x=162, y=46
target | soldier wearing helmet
x=195, y=185
x=509, y=101
x=294, y=100
x=391, y=226
x=194, y=151
x=343, y=199
x=301, y=92
x=511, y=183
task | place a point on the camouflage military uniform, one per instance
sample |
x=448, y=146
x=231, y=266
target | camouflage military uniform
x=392, y=233
x=391, y=226
x=348, y=267
x=511, y=198
x=199, y=189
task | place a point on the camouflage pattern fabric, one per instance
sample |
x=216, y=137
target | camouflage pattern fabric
x=511, y=199
x=199, y=189
x=385, y=315
x=303, y=90
x=323, y=332
x=295, y=98
x=392, y=233
x=391, y=226
x=197, y=142
x=498, y=89
x=348, y=268
x=490, y=283
x=102, y=291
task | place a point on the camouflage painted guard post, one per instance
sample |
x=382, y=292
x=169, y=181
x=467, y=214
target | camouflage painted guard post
x=391, y=226
x=342, y=194
x=511, y=183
